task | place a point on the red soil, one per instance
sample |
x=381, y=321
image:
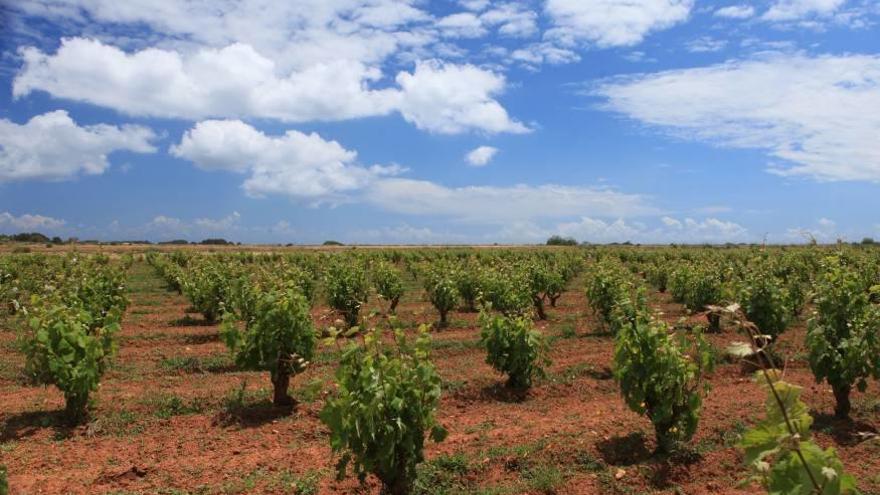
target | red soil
x=159, y=427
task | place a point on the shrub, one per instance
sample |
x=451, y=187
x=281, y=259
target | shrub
x=658, y=276
x=661, y=377
x=64, y=350
x=4, y=482
x=388, y=284
x=384, y=406
x=765, y=302
x=278, y=338
x=206, y=288
x=347, y=289
x=467, y=281
x=613, y=296
x=842, y=334
x=514, y=347
x=506, y=292
x=442, y=292
x=697, y=286
x=781, y=455
x=543, y=282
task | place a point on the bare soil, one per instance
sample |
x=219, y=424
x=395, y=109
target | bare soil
x=173, y=416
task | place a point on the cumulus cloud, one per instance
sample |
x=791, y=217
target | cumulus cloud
x=790, y=10
x=236, y=82
x=705, y=44
x=820, y=115
x=511, y=19
x=607, y=23
x=449, y=99
x=480, y=204
x=172, y=227
x=52, y=146
x=824, y=231
x=535, y=54
x=218, y=225
x=29, y=222
x=404, y=234
x=462, y=25
x=685, y=230
x=302, y=166
x=736, y=12
x=481, y=155
x=294, y=34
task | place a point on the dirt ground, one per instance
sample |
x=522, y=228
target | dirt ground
x=173, y=416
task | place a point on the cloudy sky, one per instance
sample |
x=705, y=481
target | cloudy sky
x=415, y=121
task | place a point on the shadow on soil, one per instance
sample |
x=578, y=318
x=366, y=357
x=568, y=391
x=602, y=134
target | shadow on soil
x=189, y=321
x=632, y=450
x=503, y=393
x=846, y=432
x=604, y=373
x=253, y=415
x=201, y=338
x=624, y=451
x=24, y=425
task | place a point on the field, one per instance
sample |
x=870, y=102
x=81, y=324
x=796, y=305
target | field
x=175, y=415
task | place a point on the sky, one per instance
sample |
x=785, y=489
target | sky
x=445, y=121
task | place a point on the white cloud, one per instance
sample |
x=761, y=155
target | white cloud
x=295, y=164
x=462, y=25
x=599, y=231
x=293, y=34
x=476, y=5
x=52, y=146
x=480, y=204
x=827, y=223
x=705, y=44
x=736, y=12
x=825, y=231
x=449, y=99
x=164, y=225
x=233, y=81
x=686, y=230
x=671, y=222
x=169, y=227
x=790, y=10
x=511, y=19
x=821, y=115
x=403, y=234
x=236, y=82
x=712, y=229
x=613, y=22
x=481, y=155
x=218, y=225
x=29, y=222
x=536, y=54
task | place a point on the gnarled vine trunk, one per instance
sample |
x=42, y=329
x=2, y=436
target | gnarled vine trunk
x=841, y=395
x=281, y=383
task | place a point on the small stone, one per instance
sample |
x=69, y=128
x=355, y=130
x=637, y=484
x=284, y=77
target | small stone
x=619, y=474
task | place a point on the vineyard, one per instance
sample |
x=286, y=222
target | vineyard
x=569, y=370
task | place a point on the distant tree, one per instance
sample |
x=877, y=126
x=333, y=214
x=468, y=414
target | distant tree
x=333, y=243
x=217, y=241
x=57, y=240
x=868, y=241
x=30, y=237
x=558, y=240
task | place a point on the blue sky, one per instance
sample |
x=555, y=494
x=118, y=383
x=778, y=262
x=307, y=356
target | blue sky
x=396, y=121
